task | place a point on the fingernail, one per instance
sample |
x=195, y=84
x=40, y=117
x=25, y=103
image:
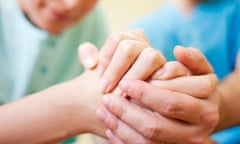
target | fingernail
x=103, y=85
x=106, y=101
x=101, y=114
x=90, y=62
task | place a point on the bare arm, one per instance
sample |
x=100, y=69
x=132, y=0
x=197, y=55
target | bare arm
x=52, y=115
x=229, y=93
x=69, y=109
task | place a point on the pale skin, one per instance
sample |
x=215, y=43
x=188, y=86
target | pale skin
x=32, y=120
x=57, y=131
x=176, y=116
x=223, y=100
x=200, y=113
x=68, y=109
x=65, y=110
x=49, y=20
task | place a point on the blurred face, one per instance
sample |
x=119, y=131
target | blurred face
x=55, y=16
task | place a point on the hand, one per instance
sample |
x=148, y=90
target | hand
x=123, y=56
x=180, y=110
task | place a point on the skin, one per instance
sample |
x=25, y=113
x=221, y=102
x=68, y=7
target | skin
x=55, y=16
x=125, y=119
x=53, y=114
x=68, y=109
x=169, y=101
x=118, y=113
x=46, y=16
x=229, y=95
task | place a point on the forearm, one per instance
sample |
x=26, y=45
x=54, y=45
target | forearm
x=230, y=96
x=46, y=117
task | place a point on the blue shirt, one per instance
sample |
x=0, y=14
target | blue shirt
x=212, y=27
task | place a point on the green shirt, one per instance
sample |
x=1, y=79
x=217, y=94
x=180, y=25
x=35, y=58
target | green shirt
x=32, y=59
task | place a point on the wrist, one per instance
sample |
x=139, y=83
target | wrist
x=84, y=97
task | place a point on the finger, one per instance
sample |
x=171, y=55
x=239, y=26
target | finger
x=168, y=103
x=146, y=64
x=88, y=55
x=118, y=131
x=125, y=55
x=170, y=70
x=210, y=141
x=198, y=86
x=112, y=138
x=140, y=34
x=193, y=59
x=109, y=48
x=150, y=124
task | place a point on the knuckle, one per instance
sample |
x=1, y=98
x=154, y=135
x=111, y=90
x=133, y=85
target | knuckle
x=120, y=112
x=137, y=90
x=151, y=130
x=210, y=120
x=207, y=88
x=117, y=108
x=153, y=56
x=111, y=123
x=128, y=47
x=115, y=37
x=171, y=107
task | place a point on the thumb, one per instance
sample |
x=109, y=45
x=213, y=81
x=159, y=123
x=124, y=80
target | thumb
x=193, y=59
x=88, y=55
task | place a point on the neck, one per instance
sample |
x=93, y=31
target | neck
x=187, y=5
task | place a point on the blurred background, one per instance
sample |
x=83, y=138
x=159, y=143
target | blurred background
x=120, y=14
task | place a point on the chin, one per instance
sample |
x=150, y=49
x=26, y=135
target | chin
x=55, y=32
x=53, y=29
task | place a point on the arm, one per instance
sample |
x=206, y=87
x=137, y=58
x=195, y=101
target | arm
x=228, y=92
x=54, y=114
x=175, y=115
x=201, y=114
x=69, y=109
